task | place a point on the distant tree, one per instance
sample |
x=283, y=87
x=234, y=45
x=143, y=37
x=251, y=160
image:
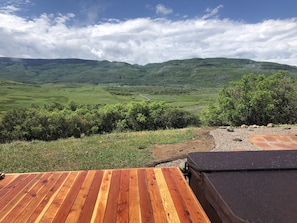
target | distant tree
x=255, y=99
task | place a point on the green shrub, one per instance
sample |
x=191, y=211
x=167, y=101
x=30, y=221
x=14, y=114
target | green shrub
x=255, y=99
x=55, y=121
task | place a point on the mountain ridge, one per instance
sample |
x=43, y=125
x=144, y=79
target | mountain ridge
x=198, y=72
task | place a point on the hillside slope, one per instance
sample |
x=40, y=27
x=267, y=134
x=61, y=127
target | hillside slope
x=212, y=72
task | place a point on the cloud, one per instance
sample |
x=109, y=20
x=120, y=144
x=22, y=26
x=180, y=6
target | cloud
x=212, y=12
x=91, y=13
x=12, y=6
x=162, y=10
x=147, y=40
x=9, y=9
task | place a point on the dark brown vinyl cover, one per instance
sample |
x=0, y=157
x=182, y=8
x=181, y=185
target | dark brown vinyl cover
x=249, y=186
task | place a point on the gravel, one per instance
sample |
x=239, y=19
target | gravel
x=230, y=139
x=238, y=139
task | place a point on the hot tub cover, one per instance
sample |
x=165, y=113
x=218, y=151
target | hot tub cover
x=250, y=186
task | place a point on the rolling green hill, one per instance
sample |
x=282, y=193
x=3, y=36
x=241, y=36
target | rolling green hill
x=213, y=72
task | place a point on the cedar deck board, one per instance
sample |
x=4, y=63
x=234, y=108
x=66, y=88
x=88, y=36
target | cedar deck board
x=122, y=195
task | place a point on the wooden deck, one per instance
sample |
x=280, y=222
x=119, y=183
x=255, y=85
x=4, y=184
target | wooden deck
x=121, y=195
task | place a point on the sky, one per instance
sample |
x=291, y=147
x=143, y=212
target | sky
x=142, y=31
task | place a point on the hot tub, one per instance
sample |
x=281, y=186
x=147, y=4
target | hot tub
x=247, y=186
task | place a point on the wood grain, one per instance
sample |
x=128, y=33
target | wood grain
x=169, y=206
x=134, y=199
x=120, y=195
x=154, y=192
x=53, y=207
x=100, y=206
x=198, y=214
x=123, y=199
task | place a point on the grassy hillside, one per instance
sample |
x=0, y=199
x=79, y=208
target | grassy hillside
x=214, y=72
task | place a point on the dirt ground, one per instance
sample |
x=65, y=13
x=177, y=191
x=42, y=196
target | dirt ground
x=203, y=142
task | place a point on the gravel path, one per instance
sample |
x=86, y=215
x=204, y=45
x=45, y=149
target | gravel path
x=238, y=139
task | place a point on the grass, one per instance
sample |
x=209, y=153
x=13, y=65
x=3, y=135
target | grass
x=116, y=150
x=17, y=95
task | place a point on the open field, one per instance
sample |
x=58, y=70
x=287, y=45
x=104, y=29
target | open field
x=116, y=150
x=18, y=95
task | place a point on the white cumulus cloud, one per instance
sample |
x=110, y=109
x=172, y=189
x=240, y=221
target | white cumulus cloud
x=147, y=40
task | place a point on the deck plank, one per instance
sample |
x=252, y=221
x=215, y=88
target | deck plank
x=8, y=180
x=27, y=197
x=176, y=196
x=145, y=201
x=87, y=211
x=121, y=195
x=195, y=209
x=123, y=201
x=100, y=206
x=70, y=198
x=57, y=201
x=157, y=205
x=47, y=200
x=17, y=192
x=112, y=200
x=134, y=199
x=36, y=196
x=167, y=201
x=14, y=188
x=81, y=198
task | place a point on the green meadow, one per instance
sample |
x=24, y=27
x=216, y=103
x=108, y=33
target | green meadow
x=18, y=95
